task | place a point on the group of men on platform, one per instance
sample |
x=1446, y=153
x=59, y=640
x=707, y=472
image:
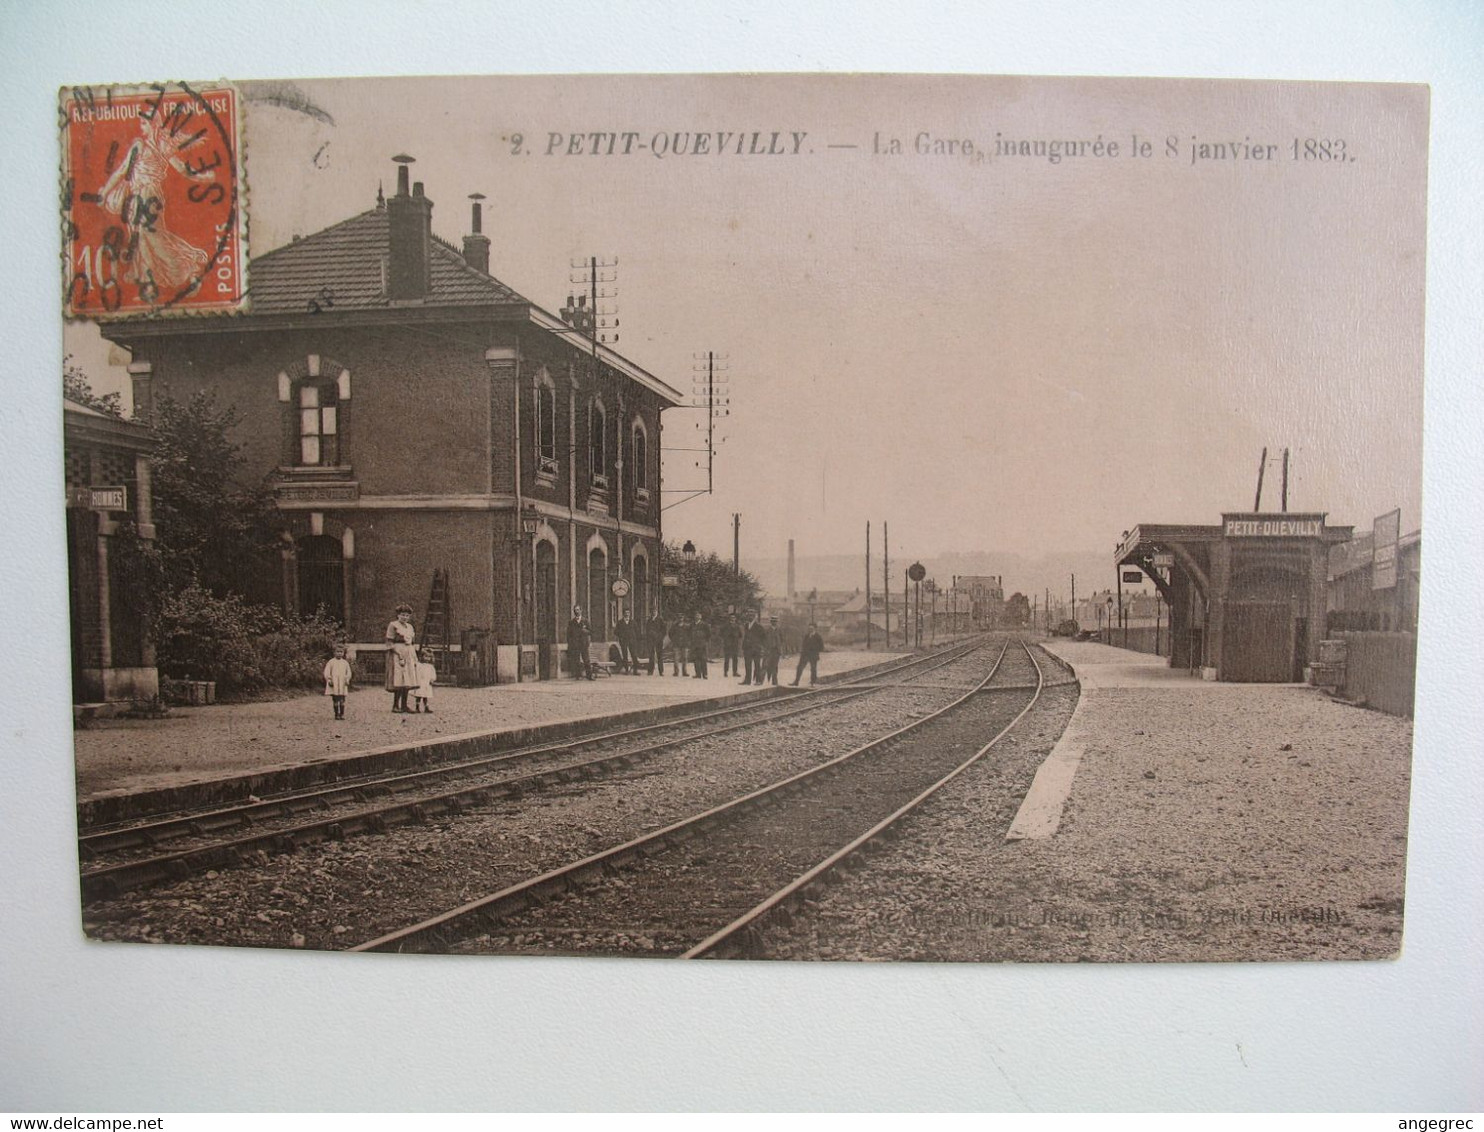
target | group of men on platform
x=688, y=642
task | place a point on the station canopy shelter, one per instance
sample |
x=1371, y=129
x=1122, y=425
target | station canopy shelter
x=1247, y=596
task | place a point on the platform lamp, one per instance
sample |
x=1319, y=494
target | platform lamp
x=1109, y=621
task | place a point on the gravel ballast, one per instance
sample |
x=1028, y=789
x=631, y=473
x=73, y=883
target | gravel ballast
x=1206, y=822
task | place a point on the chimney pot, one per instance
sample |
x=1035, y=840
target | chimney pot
x=402, y=161
x=417, y=188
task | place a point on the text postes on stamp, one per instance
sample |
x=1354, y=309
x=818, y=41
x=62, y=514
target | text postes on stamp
x=152, y=218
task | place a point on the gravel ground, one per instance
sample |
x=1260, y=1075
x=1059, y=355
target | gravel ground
x=193, y=744
x=338, y=894
x=1206, y=822
x=673, y=898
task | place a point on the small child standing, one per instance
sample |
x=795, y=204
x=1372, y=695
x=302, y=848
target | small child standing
x=422, y=695
x=338, y=675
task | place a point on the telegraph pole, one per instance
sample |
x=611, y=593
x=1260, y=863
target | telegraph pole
x=709, y=391
x=1262, y=466
x=736, y=544
x=886, y=575
x=1285, y=479
x=868, y=585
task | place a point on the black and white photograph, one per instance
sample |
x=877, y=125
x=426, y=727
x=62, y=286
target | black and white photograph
x=795, y=517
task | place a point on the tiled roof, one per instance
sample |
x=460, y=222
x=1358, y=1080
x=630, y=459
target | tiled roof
x=341, y=268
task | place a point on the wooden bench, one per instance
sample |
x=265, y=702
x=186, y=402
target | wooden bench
x=597, y=658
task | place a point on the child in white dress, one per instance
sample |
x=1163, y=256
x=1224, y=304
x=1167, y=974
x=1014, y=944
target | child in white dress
x=338, y=676
x=422, y=695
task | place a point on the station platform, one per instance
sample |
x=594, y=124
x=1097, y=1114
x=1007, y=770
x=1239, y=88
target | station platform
x=224, y=743
x=1180, y=818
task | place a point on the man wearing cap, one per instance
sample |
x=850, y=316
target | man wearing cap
x=772, y=650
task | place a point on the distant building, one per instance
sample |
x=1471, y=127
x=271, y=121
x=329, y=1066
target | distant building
x=986, y=596
x=107, y=468
x=1356, y=602
x=852, y=614
x=416, y=418
x=1247, y=597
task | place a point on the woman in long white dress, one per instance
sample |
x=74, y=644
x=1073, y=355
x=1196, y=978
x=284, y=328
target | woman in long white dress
x=401, y=658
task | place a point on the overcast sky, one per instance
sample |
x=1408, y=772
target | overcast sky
x=1008, y=354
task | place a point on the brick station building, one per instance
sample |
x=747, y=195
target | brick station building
x=1247, y=597
x=414, y=416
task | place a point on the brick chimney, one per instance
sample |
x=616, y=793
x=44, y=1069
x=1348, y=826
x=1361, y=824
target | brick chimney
x=578, y=314
x=476, y=243
x=410, y=236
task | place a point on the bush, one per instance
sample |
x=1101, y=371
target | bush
x=243, y=647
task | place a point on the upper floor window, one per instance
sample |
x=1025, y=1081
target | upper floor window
x=319, y=424
x=597, y=445
x=640, y=457
x=546, y=447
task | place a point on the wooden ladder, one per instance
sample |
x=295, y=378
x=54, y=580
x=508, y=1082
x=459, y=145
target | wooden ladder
x=437, y=622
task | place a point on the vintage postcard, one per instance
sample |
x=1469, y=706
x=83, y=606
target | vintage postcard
x=802, y=517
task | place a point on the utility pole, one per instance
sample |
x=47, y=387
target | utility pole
x=736, y=544
x=709, y=391
x=1285, y=480
x=1262, y=466
x=868, y=585
x=886, y=576
x=1074, y=605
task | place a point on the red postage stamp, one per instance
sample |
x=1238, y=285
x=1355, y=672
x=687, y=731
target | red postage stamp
x=152, y=202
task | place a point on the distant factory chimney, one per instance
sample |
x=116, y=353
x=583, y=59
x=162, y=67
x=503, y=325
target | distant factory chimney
x=790, y=571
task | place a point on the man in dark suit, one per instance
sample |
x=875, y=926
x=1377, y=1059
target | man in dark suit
x=731, y=639
x=809, y=654
x=772, y=650
x=700, y=645
x=578, y=639
x=624, y=633
x=752, y=649
x=656, y=630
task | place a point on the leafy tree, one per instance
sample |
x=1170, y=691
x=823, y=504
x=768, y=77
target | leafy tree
x=1017, y=610
x=707, y=586
x=77, y=387
x=211, y=532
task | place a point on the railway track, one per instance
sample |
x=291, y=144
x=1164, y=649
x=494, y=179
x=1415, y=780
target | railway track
x=126, y=857
x=705, y=885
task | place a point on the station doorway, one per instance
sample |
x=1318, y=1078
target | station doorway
x=546, y=607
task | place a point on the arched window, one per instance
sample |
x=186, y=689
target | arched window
x=546, y=444
x=319, y=424
x=597, y=445
x=641, y=588
x=640, y=459
x=597, y=593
